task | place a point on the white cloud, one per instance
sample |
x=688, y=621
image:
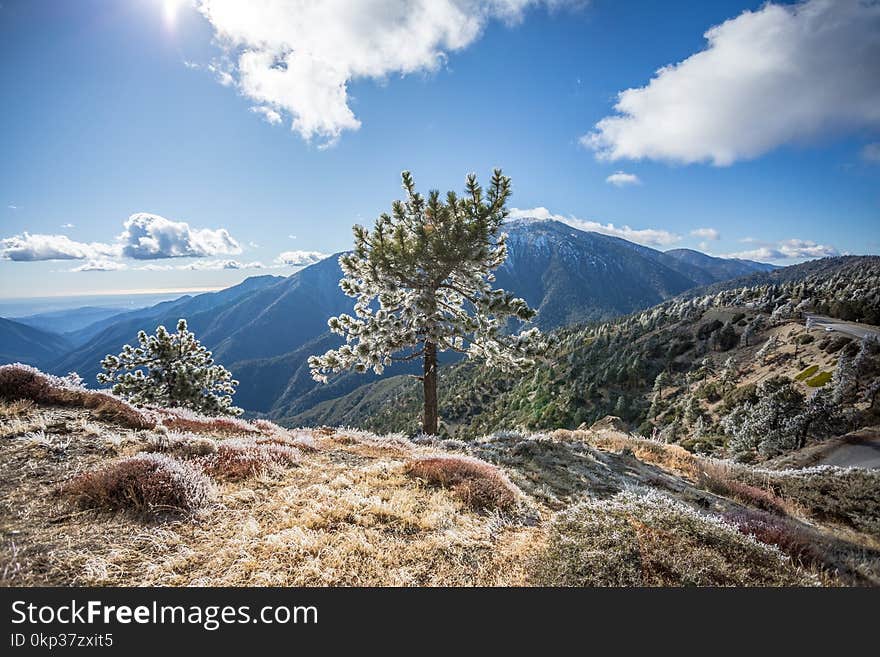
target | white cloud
x=647, y=236
x=706, y=233
x=154, y=267
x=221, y=264
x=29, y=247
x=271, y=116
x=12, y=206
x=621, y=179
x=149, y=236
x=786, y=251
x=292, y=237
x=299, y=57
x=68, y=225
x=145, y=237
x=102, y=264
x=768, y=77
x=300, y=258
x=871, y=152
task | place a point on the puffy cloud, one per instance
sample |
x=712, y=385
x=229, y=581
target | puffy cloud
x=300, y=258
x=145, y=237
x=786, y=250
x=149, y=236
x=30, y=248
x=621, y=179
x=299, y=57
x=767, y=77
x=647, y=236
x=871, y=152
x=706, y=233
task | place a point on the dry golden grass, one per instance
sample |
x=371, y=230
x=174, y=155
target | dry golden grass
x=670, y=457
x=477, y=483
x=346, y=507
x=323, y=523
x=15, y=408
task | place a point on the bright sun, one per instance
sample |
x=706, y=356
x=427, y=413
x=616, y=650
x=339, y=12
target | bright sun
x=170, y=9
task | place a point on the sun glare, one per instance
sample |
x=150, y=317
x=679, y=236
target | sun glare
x=170, y=10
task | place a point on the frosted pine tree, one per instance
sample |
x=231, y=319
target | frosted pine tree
x=768, y=348
x=657, y=394
x=844, y=384
x=170, y=370
x=423, y=283
x=819, y=415
x=729, y=374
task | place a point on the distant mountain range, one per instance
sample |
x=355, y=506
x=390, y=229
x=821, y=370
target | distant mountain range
x=265, y=328
x=26, y=344
x=570, y=275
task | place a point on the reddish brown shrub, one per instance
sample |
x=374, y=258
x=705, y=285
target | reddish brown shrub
x=144, y=483
x=718, y=480
x=268, y=427
x=181, y=419
x=19, y=381
x=239, y=459
x=477, y=483
x=784, y=534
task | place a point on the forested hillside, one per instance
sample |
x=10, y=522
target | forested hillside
x=677, y=369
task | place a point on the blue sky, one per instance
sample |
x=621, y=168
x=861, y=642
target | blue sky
x=121, y=120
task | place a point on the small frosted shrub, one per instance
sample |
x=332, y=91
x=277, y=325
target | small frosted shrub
x=477, y=483
x=183, y=419
x=652, y=540
x=238, y=459
x=150, y=483
x=18, y=381
x=184, y=445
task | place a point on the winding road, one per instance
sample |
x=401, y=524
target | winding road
x=849, y=328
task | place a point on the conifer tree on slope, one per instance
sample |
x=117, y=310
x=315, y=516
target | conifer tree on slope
x=171, y=369
x=423, y=283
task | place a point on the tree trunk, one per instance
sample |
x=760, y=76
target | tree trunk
x=430, y=421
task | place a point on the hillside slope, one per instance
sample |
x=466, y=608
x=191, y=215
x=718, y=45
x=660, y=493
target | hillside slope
x=343, y=507
x=71, y=322
x=26, y=344
x=112, y=333
x=602, y=369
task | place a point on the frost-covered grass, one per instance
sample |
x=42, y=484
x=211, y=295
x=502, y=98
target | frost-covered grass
x=241, y=458
x=648, y=539
x=184, y=445
x=850, y=496
x=183, y=419
x=146, y=483
x=477, y=483
x=347, y=507
x=18, y=381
